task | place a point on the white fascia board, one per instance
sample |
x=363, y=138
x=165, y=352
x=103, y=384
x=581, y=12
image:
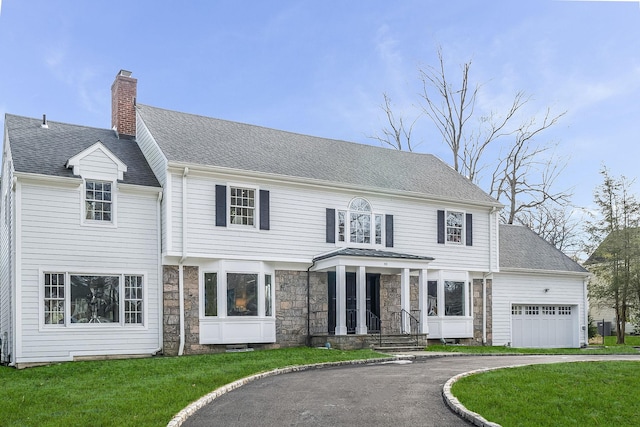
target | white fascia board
x=544, y=272
x=204, y=170
x=134, y=188
x=370, y=262
x=48, y=179
x=74, y=162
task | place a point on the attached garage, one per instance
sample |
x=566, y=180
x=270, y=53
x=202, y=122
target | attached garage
x=538, y=296
x=544, y=326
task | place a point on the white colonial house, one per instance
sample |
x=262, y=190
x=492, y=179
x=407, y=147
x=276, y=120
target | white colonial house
x=179, y=234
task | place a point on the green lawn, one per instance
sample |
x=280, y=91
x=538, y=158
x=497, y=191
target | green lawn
x=609, y=349
x=633, y=340
x=566, y=394
x=135, y=392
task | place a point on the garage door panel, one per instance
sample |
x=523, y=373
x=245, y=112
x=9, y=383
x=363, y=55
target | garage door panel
x=543, y=326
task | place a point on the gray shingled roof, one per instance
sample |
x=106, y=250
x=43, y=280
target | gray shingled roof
x=522, y=248
x=192, y=139
x=373, y=253
x=46, y=151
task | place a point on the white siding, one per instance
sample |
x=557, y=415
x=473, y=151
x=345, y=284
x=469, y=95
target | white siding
x=6, y=260
x=53, y=240
x=98, y=164
x=297, y=224
x=522, y=288
x=157, y=161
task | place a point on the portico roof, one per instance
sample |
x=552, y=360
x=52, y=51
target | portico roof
x=373, y=258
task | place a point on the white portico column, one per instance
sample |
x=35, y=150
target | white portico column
x=423, y=301
x=341, y=300
x=361, y=298
x=405, y=300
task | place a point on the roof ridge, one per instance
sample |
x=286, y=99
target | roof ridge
x=359, y=144
x=57, y=122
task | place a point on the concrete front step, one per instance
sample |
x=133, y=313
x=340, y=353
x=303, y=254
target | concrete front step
x=397, y=349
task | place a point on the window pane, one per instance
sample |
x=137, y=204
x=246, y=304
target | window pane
x=378, y=219
x=360, y=205
x=341, y=225
x=242, y=206
x=95, y=299
x=454, y=298
x=242, y=292
x=98, y=201
x=133, y=299
x=210, y=294
x=360, y=228
x=267, y=295
x=455, y=222
x=54, y=298
x=432, y=308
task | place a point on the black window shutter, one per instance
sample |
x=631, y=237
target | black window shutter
x=441, y=227
x=388, y=226
x=331, y=225
x=221, y=205
x=264, y=209
x=469, y=230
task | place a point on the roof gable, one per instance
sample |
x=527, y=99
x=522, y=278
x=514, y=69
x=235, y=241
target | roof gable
x=197, y=140
x=76, y=161
x=521, y=248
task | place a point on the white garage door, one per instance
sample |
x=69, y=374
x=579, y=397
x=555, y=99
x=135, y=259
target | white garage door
x=544, y=326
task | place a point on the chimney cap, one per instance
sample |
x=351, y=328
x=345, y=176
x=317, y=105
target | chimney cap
x=124, y=73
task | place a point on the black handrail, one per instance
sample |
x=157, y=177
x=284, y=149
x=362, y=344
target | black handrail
x=414, y=324
x=374, y=324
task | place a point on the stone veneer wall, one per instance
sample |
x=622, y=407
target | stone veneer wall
x=291, y=308
x=171, y=333
x=477, y=312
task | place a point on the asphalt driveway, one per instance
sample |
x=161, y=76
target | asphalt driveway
x=403, y=393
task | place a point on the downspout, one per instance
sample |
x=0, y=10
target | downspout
x=160, y=277
x=585, y=318
x=309, y=303
x=182, y=259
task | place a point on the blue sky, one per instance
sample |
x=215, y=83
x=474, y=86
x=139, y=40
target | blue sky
x=320, y=67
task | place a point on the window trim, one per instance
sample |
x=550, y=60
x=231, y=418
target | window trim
x=83, y=204
x=222, y=272
x=346, y=228
x=462, y=227
x=443, y=276
x=67, y=324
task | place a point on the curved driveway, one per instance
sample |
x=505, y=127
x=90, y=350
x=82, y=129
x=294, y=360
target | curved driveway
x=399, y=393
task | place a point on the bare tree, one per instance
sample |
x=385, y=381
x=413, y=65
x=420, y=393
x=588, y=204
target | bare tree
x=398, y=133
x=558, y=225
x=524, y=179
x=451, y=110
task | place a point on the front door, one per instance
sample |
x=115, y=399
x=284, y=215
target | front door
x=373, y=302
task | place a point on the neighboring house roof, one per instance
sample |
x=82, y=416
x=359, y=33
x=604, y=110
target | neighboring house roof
x=46, y=151
x=372, y=253
x=191, y=139
x=615, y=242
x=521, y=248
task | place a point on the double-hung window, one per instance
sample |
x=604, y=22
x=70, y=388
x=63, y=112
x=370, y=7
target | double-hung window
x=90, y=299
x=98, y=201
x=242, y=206
x=455, y=224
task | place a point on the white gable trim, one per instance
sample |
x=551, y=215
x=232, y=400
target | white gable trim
x=74, y=162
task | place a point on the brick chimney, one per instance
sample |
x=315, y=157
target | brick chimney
x=123, y=102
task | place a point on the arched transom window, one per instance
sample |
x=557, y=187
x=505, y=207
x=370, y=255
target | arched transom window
x=359, y=223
